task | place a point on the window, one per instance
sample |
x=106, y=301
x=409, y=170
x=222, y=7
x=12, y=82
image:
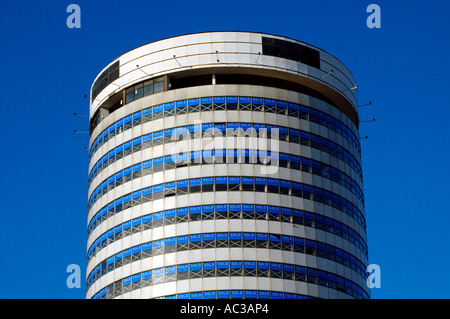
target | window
x=207, y=212
x=169, y=162
x=147, y=194
x=136, y=253
x=182, y=243
x=195, y=270
x=158, y=164
x=182, y=214
x=235, y=239
x=169, y=245
x=234, y=183
x=158, y=247
x=126, y=256
x=260, y=212
x=221, y=240
x=195, y=213
x=221, y=211
x=235, y=268
x=274, y=241
x=193, y=105
x=207, y=184
x=248, y=211
x=127, y=148
x=169, y=109
x=232, y=102
x=169, y=217
x=219, y=103
x=158, y=86
x=146, y=250
x=158, y=219
x=249, y=240
x=182, y=187
x=129, y=95
x=274, y=213
x=272, y=185
x=136, y=225
x=182, y=271
x=158, y=111
x=119, y=127
x=300, y=273
x=276, y=270
x=260, y=184
x=147, y=167
x=257, y=104
x=181, y=107
x=117, y=232
x=262, y=268
x=158, y=276
x=285, y=187
x=293, y=109
x=148, y=87
x=245, y=103
x=269, y=106
x=262, y=240
x=223, y=268
x=287, y=242
x=194, y=185
x=158, y=192
x=208, y=240
x=206, y=104
x=221, y=183
x=281, y=107
x=137, y=118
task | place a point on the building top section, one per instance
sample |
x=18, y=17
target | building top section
x=188, y=60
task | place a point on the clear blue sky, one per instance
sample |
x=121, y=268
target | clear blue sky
x=46, y=69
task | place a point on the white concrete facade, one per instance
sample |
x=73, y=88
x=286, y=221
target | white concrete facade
x=218, y=52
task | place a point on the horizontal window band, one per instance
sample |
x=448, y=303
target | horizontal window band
x=256, y=130
x=216, y=157
x=223, y=211
x=238, y=102
x=203, y=270
x=291, y=188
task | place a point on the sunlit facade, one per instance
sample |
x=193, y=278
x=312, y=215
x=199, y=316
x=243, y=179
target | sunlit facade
x=225, y=165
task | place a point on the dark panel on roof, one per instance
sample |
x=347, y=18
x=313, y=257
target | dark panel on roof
x=107, y=76
x=292, y=51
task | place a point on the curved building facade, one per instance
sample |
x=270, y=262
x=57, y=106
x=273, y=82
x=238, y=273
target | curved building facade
x=225, y=165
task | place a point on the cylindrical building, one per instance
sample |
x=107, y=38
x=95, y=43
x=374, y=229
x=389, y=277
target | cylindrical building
x=225, y=165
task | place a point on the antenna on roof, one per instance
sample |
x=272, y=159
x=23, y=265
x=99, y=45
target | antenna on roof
x=80, y=115
x=370, y=103
x=137, y=65
x=326, y=74
x=353, y=88
x=85, y=96
x=371, y=121
x=174, y=56
x=259, y=54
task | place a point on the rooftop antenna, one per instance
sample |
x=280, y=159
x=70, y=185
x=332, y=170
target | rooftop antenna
x=137, y=65
x=175, y=57
x=326, y=74
x=85, y=96
x=259, y=54
x=371, y=121
x=370, y=103
x=353, y=88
